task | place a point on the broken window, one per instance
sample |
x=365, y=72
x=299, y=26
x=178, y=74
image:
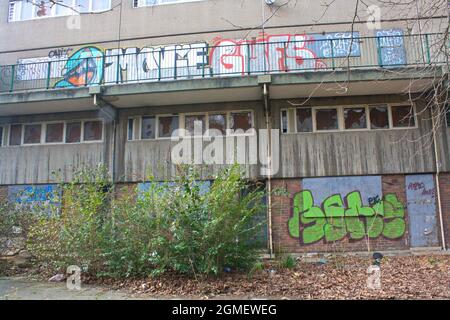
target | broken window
x=355, y=118
x=167, y=125
x=148, y=128
x=241, y=121
x=218, y=122
x=304, y=120
x=379, y=118
x=326, y=119
x=402, y=116
x=54, y=132
x=194, y=123
x=73, y=132
x=15, y=135
x=32, y=133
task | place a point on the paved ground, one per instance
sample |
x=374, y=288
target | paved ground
x=18, y=288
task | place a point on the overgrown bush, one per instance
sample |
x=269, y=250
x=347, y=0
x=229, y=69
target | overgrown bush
x=177, y=226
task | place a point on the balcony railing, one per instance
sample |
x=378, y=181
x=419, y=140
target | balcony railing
x=90, y=66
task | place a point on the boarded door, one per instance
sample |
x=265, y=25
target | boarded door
x=421, y=204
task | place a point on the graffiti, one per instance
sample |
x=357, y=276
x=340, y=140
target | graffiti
x=266, y=53
x=338, y=218
x=84, y=67
x=331, y=209
x=29, y=194
x=60, y=53
x=391, y=47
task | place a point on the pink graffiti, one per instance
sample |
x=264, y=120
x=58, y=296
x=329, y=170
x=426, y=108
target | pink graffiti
x=281, y=53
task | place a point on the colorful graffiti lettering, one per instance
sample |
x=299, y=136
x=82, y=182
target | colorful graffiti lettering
x=338, y=218
x=29, y=194
x=391, y=47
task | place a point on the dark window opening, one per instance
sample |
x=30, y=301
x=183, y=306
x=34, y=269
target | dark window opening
x=304, y=120
x=326, y=119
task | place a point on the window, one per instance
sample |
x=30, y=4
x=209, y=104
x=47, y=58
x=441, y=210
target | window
x=54, y=132
x=241, y=121
x=218, y=122
x=167, y=125
x=192, y=124
x=15, y=135
x=304, y=120
x=35, y=9
x=379, y=117
x=284, y=121
x=1, y=136
x=145, y=3
x=402, y=116
x=130, y=129
x=355, y=118
x=93, y=130
x=32, y=133
x=148, y=128
x=327, y=119
x=447, y=115
x=73, y=132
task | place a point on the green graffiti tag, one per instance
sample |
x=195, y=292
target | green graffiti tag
x=338, y=218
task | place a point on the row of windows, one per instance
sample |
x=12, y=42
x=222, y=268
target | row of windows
x=51, y=133
x=34, y=9
x=369, y=117
x=163, y=126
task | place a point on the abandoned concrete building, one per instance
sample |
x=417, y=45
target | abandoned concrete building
x=358, y=143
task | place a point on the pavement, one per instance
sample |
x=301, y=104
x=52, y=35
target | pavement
x=20, y=288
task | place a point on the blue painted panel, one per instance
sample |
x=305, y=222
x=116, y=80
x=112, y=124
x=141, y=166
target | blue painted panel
x=321, y=188
x=391, y=47
x=421, y=205
x=30, y=194
x=338, y=45
x=203, y=185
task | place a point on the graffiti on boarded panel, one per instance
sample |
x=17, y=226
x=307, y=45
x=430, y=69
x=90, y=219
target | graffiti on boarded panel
x=281, y=53
x=331, y=209
x=34, y=194
x=391, y=47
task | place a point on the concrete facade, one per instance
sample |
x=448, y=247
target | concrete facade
x=222, y=78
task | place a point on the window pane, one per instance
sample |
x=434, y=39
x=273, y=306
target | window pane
x=64, y=7
x=379, y=118
x=98, y=5
x=93, y=130
x=82, y=5
x=304, y=120
x=32, y=133
x=130, y=129
x=447, y=115
x=355, y=118
x=284, y=121
x=191, y=120
x=242, y=120
x=402, y=116
x=167, y=125
x=54, y=132
x=73, y=132
x=1, y=136
x=15, y=135
x=27, y=10
x=148, y=128
x=326, y=119
x=218, y=122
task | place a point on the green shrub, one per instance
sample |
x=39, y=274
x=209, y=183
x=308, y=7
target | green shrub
x=287, y=261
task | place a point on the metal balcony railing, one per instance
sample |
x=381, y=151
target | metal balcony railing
x=90, y=66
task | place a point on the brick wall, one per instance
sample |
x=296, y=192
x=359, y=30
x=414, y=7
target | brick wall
x=3, y=193
x=282, y=211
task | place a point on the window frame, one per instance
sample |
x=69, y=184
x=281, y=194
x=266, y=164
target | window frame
x=341, y=119
x=17, y=16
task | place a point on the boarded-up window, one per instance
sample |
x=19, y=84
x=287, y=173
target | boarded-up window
x=93, y=130
x=355, y=118
x=167, y=125
x=32, y=133
x=402, y=116
x=148, y=128
x=241, y=121
x=73, y=132
x=193, y=122
x=379, y=118
x=54, y=132
x=326, y=119
x=304, y=120
x=218, y=122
